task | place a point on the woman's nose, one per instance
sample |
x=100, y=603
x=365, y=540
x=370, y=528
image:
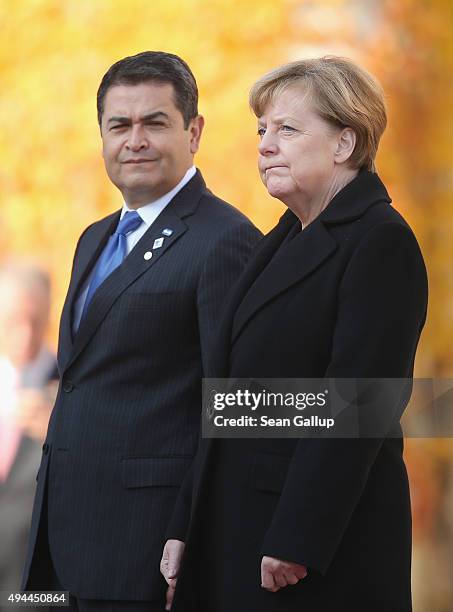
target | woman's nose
x=268, y=144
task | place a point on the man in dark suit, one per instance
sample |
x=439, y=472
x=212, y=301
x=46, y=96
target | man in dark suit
x=146, y=289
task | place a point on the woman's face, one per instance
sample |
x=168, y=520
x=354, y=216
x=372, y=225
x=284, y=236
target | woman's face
x=297, y=149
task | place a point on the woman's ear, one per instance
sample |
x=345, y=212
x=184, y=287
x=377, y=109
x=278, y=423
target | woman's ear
x=345, y=145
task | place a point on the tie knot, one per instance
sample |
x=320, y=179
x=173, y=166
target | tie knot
x=130, y=222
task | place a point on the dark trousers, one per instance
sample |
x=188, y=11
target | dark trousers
x=102, y=605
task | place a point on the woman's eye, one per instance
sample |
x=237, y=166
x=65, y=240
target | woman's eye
x=287, y=128
x=261, y=132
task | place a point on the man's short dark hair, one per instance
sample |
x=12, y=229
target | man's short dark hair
x=159, y=67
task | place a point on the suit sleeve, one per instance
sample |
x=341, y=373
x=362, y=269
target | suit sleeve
x=382, y=303
x=222, y=267
x=179, y=523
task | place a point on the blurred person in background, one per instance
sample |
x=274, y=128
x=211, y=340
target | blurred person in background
x=27, y=380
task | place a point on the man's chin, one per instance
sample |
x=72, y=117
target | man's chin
x=140, y=186
x=141, y=193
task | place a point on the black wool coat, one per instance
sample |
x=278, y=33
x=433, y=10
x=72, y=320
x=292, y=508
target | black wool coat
x=344, y=298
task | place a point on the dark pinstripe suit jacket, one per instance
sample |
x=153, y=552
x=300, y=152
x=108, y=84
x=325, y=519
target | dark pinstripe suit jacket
x=125, y=425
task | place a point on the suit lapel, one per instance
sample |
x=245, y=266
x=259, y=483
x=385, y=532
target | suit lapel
x=85, y=260
x=135, y=264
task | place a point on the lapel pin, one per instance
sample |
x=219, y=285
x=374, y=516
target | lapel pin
x=167, y=231
x=158, y=243
x=147, y=255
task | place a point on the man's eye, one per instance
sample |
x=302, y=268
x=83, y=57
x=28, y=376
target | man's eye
x=118, y=126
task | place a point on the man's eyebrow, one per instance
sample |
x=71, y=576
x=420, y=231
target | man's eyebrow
x=156, y=115
x=148, y=117
x=119, y=120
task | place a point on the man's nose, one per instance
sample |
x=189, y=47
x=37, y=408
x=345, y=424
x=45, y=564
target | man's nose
x=137, y=139
x=268, y=144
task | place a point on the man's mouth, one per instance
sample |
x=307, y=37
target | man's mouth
x=138, y=161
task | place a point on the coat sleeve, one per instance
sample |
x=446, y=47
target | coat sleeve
x=222, y=267
x=382, y=301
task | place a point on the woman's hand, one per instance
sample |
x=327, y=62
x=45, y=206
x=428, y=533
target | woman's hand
x=169, y=566
x=276, y=574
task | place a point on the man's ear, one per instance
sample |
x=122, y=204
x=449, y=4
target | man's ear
x=345, y=145
x=102, y=139
x=195, y=129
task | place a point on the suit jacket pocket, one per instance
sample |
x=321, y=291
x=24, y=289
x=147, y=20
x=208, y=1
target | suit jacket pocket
x=154, y=471
x=269, y=471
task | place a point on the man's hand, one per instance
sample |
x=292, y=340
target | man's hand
x=276, y=573
x=169, y=566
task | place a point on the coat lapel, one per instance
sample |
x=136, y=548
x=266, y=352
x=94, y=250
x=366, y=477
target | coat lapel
x=301, y=256
x=307, y=250
x=134, y=265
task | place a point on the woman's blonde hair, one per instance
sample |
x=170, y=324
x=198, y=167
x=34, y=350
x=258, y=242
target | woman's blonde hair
x=341, y=92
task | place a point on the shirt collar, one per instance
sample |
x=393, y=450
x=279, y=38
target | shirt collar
x=148, y=211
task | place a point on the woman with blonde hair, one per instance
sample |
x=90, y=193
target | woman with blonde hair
x=338, y=289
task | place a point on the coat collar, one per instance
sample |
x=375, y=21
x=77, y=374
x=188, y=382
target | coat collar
x=184, y=204
x=353, y=201
x=271, y=272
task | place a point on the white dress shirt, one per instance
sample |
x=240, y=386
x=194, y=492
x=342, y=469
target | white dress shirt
x=149, y=213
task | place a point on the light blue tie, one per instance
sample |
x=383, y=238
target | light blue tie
x=113, y=254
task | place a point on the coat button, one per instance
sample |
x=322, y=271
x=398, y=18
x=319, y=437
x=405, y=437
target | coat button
x=68, y=386
x=45, y=448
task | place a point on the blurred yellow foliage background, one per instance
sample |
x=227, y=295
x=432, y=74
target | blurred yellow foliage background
x=53, y=54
